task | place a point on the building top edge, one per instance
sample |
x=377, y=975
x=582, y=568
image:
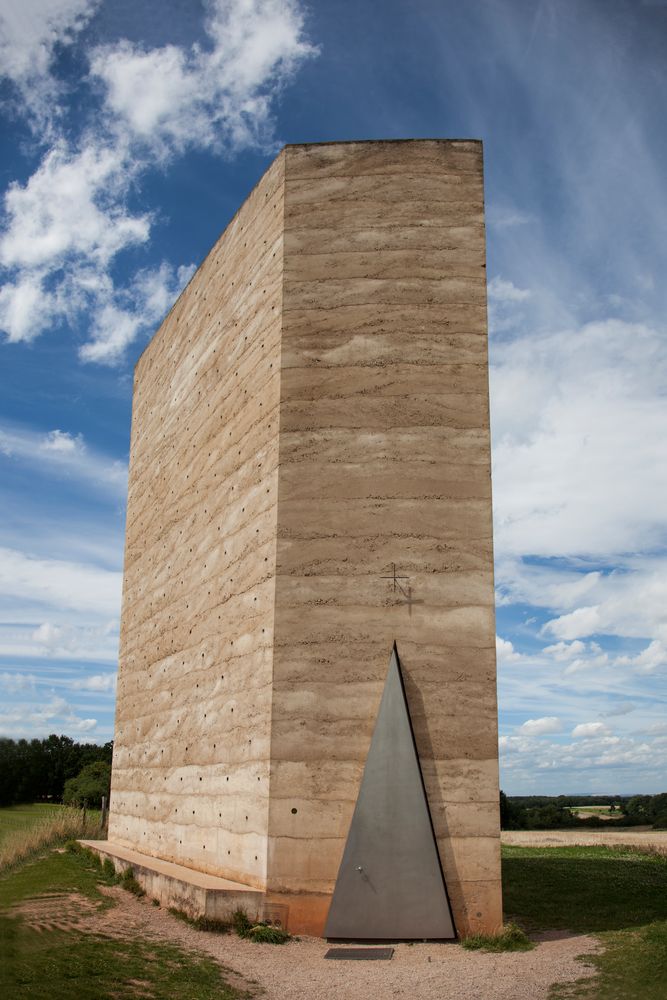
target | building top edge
x=386, y=142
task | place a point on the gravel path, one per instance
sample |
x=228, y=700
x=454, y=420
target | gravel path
x=298, y=970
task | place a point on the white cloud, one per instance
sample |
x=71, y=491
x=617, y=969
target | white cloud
x=96, y=682
x=85, y=641
x=588, y=729
x=538, y=727
x=67, y=224
x=505, y=651
x=66, y=455
x=565, y=407
x=596, y=660
x=26, y=308
x=563, y=651
x=506, y=291
x=600, y=763
x=172, y=98
x=653, y=658
x=59, y=583
x=71, y=207
x=149, y=298
x=69, y=642
x=23, y=720
x=30, y=33
x=62, y=441
x=631, y=600
x=583, y=621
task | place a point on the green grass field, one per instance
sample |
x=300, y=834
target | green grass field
x=619, y=895
x=54, y=964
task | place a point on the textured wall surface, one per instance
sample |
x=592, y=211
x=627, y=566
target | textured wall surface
x=191, y=760
x=314, y=410
x=384, y=458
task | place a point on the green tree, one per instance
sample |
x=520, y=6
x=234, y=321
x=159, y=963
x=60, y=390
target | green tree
x=89, y=786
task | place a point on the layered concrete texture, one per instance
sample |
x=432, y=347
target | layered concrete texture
x=310, y=420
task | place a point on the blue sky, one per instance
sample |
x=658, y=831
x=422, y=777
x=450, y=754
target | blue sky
x=131, y=133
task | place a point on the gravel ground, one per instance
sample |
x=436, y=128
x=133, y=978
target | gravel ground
x=298, y=970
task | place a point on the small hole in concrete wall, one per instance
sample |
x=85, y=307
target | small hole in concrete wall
x=229, y=852
x=200, y=779
x=227, y=779
x=293, y=811
x=193, y=812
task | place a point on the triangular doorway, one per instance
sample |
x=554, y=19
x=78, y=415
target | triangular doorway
x=390, y=884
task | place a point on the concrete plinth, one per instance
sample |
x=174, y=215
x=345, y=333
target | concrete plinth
x=191, y=892
x=310, y=422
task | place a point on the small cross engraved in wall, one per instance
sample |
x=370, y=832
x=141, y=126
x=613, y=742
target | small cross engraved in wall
x=394, y=578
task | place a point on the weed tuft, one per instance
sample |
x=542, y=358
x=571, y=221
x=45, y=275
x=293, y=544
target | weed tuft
x=511, y=938
x=130, y=884
x=263, y=932
x=109, y=870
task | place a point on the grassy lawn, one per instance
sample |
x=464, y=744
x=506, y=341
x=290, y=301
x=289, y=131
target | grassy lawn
x=620, y=895
x=54, y=964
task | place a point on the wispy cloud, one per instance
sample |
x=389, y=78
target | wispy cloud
x=59, y=584
x=63, y=454
x=30, y=34
x=95, y=682
x=41, y=719
x=565, y=406
x=66, y=226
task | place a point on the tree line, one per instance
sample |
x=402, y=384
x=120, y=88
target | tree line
x=36, y=770
x=544, y=812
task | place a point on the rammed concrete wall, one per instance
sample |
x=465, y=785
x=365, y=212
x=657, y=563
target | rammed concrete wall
x=314, y=409
x=384, y=458
x=191, y=758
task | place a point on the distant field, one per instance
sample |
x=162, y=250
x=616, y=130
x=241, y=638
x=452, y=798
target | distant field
x=633, y=837
x=602, y=812
x=14, y=818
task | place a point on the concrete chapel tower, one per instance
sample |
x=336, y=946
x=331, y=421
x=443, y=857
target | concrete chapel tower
x=310, y=484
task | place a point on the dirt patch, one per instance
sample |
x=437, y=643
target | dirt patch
x=58, y=912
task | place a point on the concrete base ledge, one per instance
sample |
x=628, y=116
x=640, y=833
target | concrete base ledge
x=195, y=893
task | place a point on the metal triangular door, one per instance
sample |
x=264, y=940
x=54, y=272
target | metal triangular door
x=390, y=884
